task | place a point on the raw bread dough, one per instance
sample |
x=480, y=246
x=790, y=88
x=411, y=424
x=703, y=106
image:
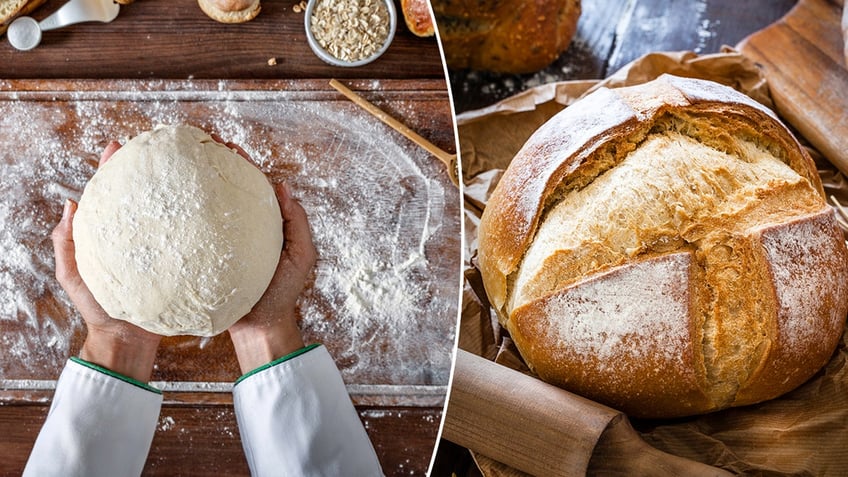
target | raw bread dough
x=178, y=234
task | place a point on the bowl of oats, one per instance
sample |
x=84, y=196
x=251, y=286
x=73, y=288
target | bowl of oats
x=350, y=32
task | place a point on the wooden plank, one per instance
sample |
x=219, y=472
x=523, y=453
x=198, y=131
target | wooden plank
x=205, y=441
x=610, y=34
x=702, y=26
x=814, y=22
x=175, y=39
x=801, y=58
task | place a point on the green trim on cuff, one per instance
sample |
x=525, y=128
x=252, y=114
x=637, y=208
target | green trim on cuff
x=123, y=378
x=277, y=361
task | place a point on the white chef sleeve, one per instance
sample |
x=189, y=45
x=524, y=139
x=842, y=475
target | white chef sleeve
x=296, y=419
x=100, y=424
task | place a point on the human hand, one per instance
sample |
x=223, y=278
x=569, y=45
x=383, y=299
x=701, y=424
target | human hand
x=114, y=344
x=270, y=330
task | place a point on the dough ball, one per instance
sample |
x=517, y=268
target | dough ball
x=177, y=233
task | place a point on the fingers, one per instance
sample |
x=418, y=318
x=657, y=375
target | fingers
x=67, y=273
x=111, y=148
x=298, y=247
x=241, y=152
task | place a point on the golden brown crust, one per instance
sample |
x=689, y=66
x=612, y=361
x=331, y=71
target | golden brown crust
x=809, y=317
x=761, y=287
x=416, y=13
x=509, y=37
x=605, y=117
x=230, y=11
x=588, y=362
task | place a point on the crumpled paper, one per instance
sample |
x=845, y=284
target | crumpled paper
x=801, y=433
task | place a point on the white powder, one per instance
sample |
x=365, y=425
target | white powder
x=36, y=174
x=803, y=281
x=624, y=316
x=386, y=287
x=166, y=423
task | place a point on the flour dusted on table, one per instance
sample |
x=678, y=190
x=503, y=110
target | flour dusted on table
x=36, y=175
x=383, y=214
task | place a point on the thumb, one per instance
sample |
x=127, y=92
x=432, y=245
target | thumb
x=64, y=250
x=66, y=265
x=298, y=247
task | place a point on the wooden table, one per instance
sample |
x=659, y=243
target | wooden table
x=175, y=39
x=164, y=60
x=610, y=34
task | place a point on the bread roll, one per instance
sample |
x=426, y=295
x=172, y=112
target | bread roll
x=517, y=36
x=11, y=9
x=230, y=11
x=416, y=14
x=666, y=249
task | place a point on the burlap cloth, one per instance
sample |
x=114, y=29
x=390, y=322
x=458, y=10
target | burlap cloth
x=804, y=432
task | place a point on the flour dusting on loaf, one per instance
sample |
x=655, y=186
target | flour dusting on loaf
x=807, y=265
x=578, y=318
x=666, y=249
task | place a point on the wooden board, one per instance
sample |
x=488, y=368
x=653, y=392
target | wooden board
x=802, y=57
x=384, y=215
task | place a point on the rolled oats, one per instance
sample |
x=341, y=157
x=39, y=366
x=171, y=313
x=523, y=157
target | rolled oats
x=350, y=30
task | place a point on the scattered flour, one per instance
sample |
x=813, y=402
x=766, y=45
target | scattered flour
x=36, y=175
x=386, y=286
x=166, y=423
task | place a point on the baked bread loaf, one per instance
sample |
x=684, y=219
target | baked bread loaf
x=666, y=249
x=11, y=9
x=230, y=11
x=416, y=14
x=517, y=36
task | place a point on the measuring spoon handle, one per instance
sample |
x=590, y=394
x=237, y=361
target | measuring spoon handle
x=79, y=11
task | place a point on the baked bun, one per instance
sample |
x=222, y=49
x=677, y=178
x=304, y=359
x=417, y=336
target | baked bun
x=514, y=36
x=230, y=11
x=416, y=14
x=11, y=9
x=666, y=249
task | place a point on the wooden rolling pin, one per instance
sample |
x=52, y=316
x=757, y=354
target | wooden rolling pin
x=803, y=58
x=543, y=430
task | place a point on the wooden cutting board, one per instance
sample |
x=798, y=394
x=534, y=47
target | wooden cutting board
x=802, y=57
x=384, y=216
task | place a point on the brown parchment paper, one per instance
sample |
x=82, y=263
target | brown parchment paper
x=804, y=432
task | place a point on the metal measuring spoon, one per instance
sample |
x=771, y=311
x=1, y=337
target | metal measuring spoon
x=25, y=33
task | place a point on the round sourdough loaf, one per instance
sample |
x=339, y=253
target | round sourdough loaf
x=666, y=249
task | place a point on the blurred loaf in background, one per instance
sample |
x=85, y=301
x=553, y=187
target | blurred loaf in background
x=511, y=36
